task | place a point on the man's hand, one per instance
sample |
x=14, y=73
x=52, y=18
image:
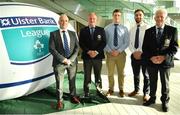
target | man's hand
x=115, y=53
x=92, y=53
x=157, y=59
x=67, y=61
x=137, y=55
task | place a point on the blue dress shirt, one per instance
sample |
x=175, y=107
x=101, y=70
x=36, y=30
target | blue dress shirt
x=123, y=38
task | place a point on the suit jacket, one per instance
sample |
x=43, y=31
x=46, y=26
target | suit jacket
x=168, y=46
x=57, y=50
x=97, y=43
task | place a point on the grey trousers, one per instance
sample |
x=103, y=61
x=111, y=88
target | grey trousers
x=164, y=77
x=59, y=71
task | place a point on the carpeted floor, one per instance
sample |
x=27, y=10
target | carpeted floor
x=44, y=101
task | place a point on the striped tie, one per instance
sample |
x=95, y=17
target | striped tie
x=115, y=42
x=66, y=46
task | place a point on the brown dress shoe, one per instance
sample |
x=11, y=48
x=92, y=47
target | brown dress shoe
x=133, y=93
x=75, y=100
x=110, y=92
x=59, y=105
x=121, y=93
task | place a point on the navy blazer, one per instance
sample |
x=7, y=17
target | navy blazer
x=168, y=46
x=57, y=50
x=97, y=43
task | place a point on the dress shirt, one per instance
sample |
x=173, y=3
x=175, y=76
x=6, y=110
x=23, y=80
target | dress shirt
x=162, y=28
x=92, y=29
x=67, y=35
x=132, y=34
x=123, y=38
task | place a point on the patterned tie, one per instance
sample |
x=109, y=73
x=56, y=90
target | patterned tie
x=92, y=32
x=115, y=42
x=136, y=44
x=159, y=35
x=66, y=46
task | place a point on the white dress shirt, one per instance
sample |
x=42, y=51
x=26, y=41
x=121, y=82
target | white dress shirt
x=132, y=34
x=67, y=35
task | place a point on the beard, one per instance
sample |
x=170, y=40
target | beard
x=138, y=20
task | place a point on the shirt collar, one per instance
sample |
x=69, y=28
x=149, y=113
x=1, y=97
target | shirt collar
x=61, y=30
x=162, y=27
x=116, y=24
x=140, y=24
x=91, y=27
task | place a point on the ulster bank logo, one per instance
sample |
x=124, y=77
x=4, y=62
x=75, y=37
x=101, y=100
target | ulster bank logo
x=5, y=22
x=25, y=21
x=27, y=38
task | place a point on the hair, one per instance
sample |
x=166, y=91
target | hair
x=161, y=11
x=63, y=15
x=137, y=10
x=116, y=10
x=92, y=13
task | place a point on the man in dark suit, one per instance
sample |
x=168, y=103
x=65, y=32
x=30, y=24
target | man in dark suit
x=92, y=41
x=64, y=47
x=159, y=47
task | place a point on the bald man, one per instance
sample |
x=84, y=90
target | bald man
x=64, y=47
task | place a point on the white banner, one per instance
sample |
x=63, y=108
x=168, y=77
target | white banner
x=25, y=61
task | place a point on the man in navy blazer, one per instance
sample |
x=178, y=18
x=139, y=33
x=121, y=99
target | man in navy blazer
x=64, y=59
x=159, y=47
x=92, y=42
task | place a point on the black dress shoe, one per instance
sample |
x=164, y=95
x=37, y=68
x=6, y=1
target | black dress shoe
x=149, y=102
x=99, y=86
x=165, y=107
x=86, y=95
x=75, y=100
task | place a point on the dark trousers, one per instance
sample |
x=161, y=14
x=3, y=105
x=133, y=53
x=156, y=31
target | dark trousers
x=164, y=77
x=137, y=65
x=96, y=64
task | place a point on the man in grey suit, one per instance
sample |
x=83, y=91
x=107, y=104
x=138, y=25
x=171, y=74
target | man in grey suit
x=64, y=47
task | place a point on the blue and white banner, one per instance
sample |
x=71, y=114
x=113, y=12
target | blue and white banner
x=25, y=61
x=25, y=21
x=25, y=40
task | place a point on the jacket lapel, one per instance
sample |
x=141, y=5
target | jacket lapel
x=71, y=37
x=89, y=33
x=164, y=33
x=154, y=33
x=59, y=39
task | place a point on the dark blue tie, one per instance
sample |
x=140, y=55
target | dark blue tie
x=159, y=35
x=115, y=42
x=66, y=47
x=92, y=32
x=136, y=44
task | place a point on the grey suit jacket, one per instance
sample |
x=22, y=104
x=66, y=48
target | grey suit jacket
x=57, y=50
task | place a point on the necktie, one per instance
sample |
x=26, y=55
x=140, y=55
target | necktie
x=66, y=47
x=136, y=44
x=92, y=32
x=159, y=35
x=115, y=42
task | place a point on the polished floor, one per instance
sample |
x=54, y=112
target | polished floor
x=132, y=105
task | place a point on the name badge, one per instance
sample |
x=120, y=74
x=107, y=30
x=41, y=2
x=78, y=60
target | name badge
x=99, y=37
